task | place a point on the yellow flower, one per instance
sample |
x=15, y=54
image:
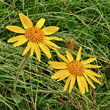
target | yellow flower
x=75, y=69
x=35, y=36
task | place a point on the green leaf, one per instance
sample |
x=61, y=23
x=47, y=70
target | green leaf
x=16, y=98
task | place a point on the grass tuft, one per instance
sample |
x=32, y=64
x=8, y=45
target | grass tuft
x=86, y=22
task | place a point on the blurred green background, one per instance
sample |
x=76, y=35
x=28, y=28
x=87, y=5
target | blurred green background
x=83, y=23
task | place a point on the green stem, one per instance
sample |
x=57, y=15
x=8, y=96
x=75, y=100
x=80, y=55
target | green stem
x=20, y=69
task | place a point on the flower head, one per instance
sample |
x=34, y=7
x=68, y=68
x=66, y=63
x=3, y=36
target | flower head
x=75, y=70
x=35, y=36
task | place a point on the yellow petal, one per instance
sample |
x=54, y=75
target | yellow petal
x=72, y=83
x=63, y=77
x=69, y=56
x=92, y=77
x=20, y=42
x=50, y=30
x=53, y=38
x=92, y=73
x=58, y=65
x=88, y=61
x=45, y=50
x=50, y=43
x=37, y=51
x=60, y=74
x=51, y=47
x=16, y=38
x=79, y=54
x=27, y=48
x=40, y=23
x=32, y=48
x=67, y=83
x=91, y=66
x=26, y=22
x=15, y=29
x=84, y=83
x=62, y=57
x=89, y=81
x=80, y=84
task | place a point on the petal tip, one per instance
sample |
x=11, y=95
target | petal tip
x=20, y=14
x=7, y=27
x=58, y=27
x=94, y=58
x=14, y=45
x=61, y=39
x=39, y=60
x=8, y=40
x=49, y=56
x=99, y=82
x=43, y=18
x=69, y=91
x=49, y=62
x=80, y=48
x=94, y=87
x=58, y=47
x=100, y=75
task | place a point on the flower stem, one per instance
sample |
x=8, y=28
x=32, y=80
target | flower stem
x=20, y=69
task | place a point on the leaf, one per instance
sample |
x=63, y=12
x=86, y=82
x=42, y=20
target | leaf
x=16, y=98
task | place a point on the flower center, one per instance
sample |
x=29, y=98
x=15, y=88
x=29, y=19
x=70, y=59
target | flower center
x=75, y=68
x=34, y=34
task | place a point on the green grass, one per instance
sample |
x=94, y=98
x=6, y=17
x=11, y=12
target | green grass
x=85, y=21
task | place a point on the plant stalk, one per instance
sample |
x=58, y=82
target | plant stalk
x=20, y=69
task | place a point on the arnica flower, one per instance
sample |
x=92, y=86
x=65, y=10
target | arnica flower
x=35, y=36
x=75, y=70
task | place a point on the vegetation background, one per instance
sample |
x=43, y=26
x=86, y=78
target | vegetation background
x=83, y=23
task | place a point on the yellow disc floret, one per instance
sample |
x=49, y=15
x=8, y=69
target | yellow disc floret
x=34, y=34
x=75, y=68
